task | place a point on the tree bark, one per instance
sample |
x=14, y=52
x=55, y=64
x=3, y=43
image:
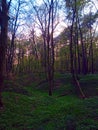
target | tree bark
x=3, y=45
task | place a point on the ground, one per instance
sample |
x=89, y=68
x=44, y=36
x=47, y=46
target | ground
x=27, y=105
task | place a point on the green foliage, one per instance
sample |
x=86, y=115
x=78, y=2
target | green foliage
x=38, y=111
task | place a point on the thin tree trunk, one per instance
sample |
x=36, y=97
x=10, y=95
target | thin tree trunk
x=52, y=49
x=11, y=55
x=71, y=46
x=78, y=55
x=84, y=64
x=91, y=48
x=72, y=57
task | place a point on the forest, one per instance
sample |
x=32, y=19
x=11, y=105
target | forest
x=48, y=64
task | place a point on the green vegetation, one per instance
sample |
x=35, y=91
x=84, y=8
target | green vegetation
x=28, y=107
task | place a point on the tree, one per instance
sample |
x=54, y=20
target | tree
x=46, y=16
x=13, y=29
x=17, y=9
x=3, y=41
x=73, y=8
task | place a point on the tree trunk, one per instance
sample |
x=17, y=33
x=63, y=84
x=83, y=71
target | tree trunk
x=84, y=60
x=91, y=48
x=73, y=39
x=3, y=44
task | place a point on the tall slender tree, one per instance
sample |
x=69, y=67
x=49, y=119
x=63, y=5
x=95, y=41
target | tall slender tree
x=46, y=14
x=14, y=27
x=73, y=9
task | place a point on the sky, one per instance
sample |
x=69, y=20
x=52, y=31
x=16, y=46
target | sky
x=62, y=24
x=93, y=7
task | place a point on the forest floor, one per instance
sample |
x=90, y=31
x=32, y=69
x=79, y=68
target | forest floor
x=27, y=105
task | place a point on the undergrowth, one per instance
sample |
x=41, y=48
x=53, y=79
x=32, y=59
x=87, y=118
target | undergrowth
x=30, y=108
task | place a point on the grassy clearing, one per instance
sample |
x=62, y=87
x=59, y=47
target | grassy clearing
x=35, y=110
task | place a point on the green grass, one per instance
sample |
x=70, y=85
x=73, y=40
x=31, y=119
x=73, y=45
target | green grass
x=38, y=111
